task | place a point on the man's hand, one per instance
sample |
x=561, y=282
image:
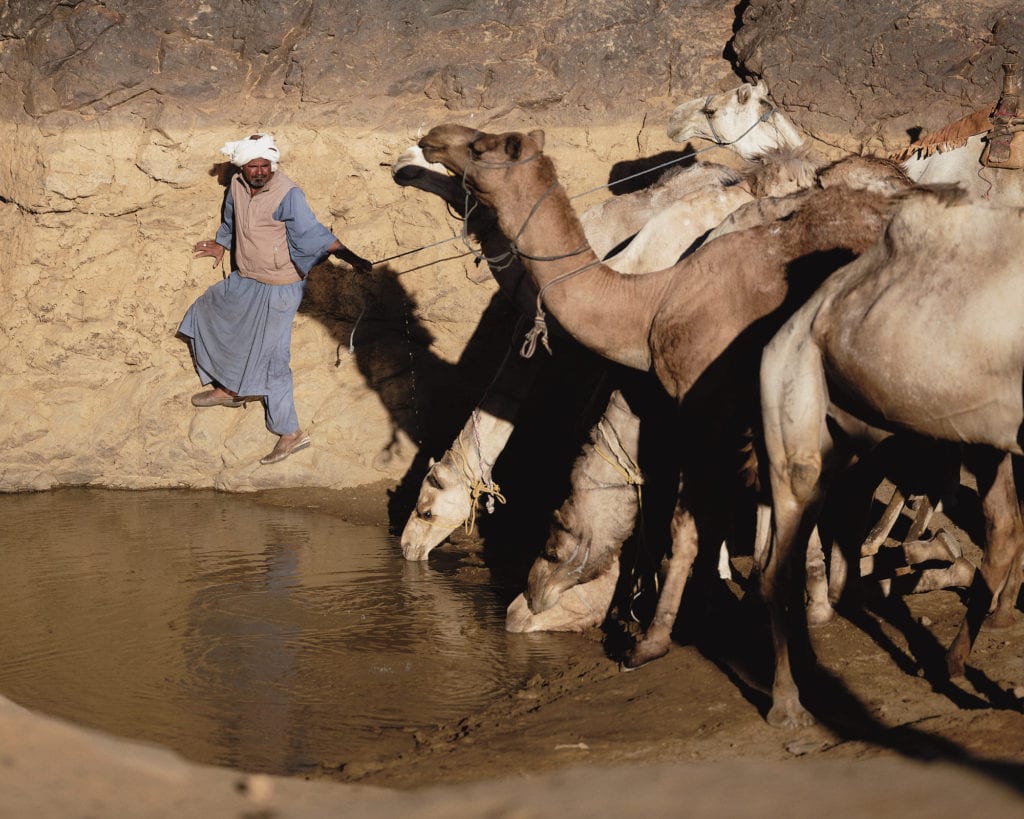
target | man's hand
x=358, y=263
x=211, y=249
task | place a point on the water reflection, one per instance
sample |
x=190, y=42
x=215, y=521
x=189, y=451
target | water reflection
x=242, y=634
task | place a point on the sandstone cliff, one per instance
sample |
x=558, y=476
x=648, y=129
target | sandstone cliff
x=111, y=119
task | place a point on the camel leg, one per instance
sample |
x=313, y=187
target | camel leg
x=724, y=566
x=762, y=534
x=794, y=405
x=923, y=511
x=657, y=638
x=880, y=531
x=1004, y=612
x=819, y=609
x=1004, y=537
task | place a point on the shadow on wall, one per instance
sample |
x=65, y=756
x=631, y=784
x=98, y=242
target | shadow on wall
x=429, y=399
x=630, y=176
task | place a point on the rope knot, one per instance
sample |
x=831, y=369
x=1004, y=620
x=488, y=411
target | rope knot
x=539, y=331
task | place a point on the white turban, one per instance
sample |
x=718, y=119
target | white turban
x=258, y=146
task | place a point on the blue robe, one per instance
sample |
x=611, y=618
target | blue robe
x=240, y=330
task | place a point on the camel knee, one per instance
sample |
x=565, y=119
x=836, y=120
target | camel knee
x=802, y=475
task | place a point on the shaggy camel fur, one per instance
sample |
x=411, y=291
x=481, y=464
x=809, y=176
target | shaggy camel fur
x=876, y=342
x=698, y=326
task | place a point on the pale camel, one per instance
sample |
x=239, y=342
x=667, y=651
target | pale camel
x=611, y=222
x=748, y=121
x=952, y=380
x=698, y=325
x=745, y=119
x=582, y=550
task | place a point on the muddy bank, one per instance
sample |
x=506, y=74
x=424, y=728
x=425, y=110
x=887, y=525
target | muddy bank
x=879, y=691
x=686, y=729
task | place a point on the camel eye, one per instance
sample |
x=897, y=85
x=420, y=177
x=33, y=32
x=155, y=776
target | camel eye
x=426, y=514
x=708, y=112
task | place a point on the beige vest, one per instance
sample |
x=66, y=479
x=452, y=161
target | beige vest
x=261, y=248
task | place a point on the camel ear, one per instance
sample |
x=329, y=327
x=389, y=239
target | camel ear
x=538, y=137
x=743, y=95
x=430, y=462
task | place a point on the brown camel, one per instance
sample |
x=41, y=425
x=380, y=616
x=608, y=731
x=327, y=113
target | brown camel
x=699, y=325
x=922, y=334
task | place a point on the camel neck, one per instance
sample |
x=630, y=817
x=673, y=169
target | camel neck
x=601, y=308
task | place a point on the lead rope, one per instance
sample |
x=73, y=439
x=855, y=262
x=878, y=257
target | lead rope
x=539, y=331
x=488, y=485
x=476, y=485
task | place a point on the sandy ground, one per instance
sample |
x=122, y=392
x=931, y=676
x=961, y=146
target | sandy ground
x=684, y=734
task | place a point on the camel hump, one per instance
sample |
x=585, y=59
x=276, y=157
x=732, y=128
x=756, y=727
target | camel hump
x=949, y=137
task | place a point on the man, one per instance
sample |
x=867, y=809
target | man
x=240, y=329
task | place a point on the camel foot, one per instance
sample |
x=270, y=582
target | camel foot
x=789, y=713
x=644, y=652
x=819, y=613
x=955, y=663
x=1002, y=618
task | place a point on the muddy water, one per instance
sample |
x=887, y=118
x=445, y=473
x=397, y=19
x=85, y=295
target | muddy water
x=236, y=633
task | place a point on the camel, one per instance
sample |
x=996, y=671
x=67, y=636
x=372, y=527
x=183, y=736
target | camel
x=453, y=484
x=747, y=120
x=957, y=381
x=450, y=491
x=698, y=326
x=581, y=557
x=680, y=209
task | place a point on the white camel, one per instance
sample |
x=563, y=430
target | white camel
x=748, y=121
x=876, y=342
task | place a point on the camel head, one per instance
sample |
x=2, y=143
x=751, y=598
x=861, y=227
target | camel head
x=443, y=505
x=745, y=119
x=481, y=159
x=569, y=559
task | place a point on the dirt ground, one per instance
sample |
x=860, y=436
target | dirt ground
x=684, y=733
x=878, y=692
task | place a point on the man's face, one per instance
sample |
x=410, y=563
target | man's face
x=257, y=173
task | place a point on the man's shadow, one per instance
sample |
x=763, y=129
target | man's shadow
x=376, y=320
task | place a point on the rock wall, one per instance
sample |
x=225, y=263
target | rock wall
x=111, y=119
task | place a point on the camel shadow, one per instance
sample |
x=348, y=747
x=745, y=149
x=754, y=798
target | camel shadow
x=377, y=321
x=632, y=175
x=730, y=629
